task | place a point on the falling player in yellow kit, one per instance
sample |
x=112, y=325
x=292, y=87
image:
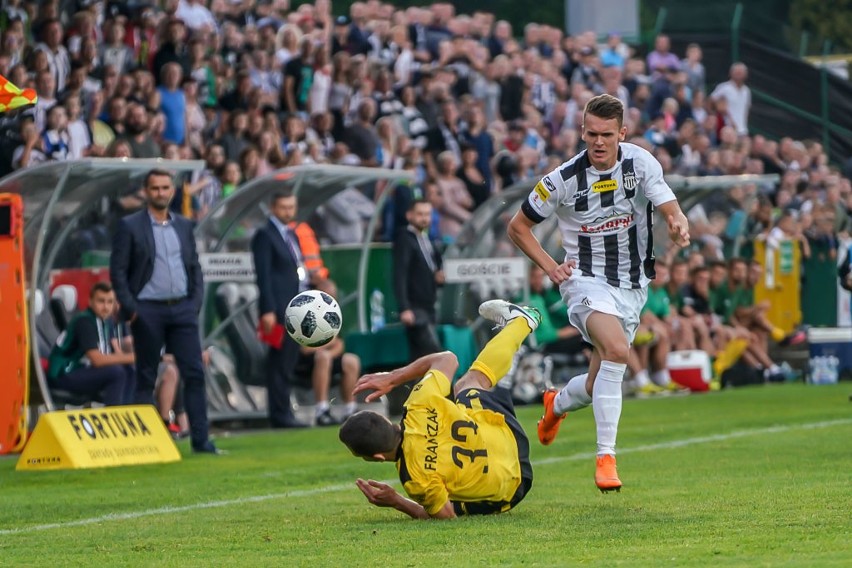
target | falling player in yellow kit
x=467, y=456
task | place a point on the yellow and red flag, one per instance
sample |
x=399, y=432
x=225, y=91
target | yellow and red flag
x=12, y=97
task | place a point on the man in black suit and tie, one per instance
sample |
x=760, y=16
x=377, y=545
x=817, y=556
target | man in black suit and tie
x=417, y=275
x=281, y=274
x=157, y=278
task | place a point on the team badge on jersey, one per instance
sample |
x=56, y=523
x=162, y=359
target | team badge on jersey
x=604, y=185
x=630, y=180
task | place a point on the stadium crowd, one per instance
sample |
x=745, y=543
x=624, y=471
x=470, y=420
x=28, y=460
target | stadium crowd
x=466, y=102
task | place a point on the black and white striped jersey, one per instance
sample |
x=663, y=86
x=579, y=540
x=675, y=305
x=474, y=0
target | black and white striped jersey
x=606, y=218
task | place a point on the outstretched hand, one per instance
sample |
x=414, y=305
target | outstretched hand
x=678, y=229
x=378, y=493
x=379, y=383
x=562, y=272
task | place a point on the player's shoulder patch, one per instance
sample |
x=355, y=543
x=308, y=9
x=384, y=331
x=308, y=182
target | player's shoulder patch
x=544, y=188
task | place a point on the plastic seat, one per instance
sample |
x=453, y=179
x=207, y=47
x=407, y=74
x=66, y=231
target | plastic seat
x=63, y=305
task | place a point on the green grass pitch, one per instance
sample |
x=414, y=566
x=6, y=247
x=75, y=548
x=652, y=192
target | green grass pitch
x=752, y=477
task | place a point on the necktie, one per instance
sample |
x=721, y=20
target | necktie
x=293, y=242
x=427, y=250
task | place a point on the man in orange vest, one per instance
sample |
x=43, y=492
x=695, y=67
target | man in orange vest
x=310, y=251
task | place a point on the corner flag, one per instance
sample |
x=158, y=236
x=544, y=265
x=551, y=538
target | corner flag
x=12, y=97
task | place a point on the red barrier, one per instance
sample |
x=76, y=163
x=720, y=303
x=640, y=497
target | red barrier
x=14, y=341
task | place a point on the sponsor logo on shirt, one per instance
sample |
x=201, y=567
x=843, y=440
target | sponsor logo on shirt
x=541, y=191
x=611, y=224
x=604, y=185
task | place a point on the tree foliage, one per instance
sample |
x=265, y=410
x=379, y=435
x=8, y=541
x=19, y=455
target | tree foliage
x=824, y=20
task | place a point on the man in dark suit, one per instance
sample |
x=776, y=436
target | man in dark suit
x=417, y=275
x=281, y=274
x=157, y=278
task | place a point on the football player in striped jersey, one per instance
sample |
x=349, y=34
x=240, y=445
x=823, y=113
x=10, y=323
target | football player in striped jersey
x=604, y=200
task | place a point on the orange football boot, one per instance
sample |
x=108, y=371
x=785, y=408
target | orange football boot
x=606, y=475
x=548, y=426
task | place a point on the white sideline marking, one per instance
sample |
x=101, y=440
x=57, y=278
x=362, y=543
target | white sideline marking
x=703, y=440
x=181, y=509
x=342, y=486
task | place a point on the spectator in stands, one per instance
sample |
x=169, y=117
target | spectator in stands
x=230, y=177
x=500, y=35
x=694, y=68
x=58, y=60
x=787, y=227
x=89, y=358
x=46, y=90
x=234, y=139
x=477, y=185
x=141, y=142
x=417, y=273
x=388, y=135
x=737, y=97
x=173, y=49
x=587, y=72
x=173, y=103
x=615, y=53
x=80, y=142
x=452, y=200
x=445, y=137
x=662, y=59
x=29, y=152
x=298, y=78
x=113, y=51
x=54, y=138
x=322, y=81
x=195, y=15
x=477, y=135
x=361, y=137
x=249, y=163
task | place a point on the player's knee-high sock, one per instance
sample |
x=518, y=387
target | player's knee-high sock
x=495, y=359
x=606, y=403
x=573, y=396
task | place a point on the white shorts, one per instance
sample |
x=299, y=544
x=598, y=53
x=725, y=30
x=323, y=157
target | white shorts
x=584, y=295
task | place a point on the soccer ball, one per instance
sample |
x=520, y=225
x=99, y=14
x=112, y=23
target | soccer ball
x=313, y=318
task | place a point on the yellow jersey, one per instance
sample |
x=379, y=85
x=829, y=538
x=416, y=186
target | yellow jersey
x=452, y=452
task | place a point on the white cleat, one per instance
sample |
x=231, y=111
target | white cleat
x=502, y=312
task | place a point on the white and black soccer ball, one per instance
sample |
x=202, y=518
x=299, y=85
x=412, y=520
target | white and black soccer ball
x=313, y=318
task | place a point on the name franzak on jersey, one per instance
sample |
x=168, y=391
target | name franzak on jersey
x=430, y=459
